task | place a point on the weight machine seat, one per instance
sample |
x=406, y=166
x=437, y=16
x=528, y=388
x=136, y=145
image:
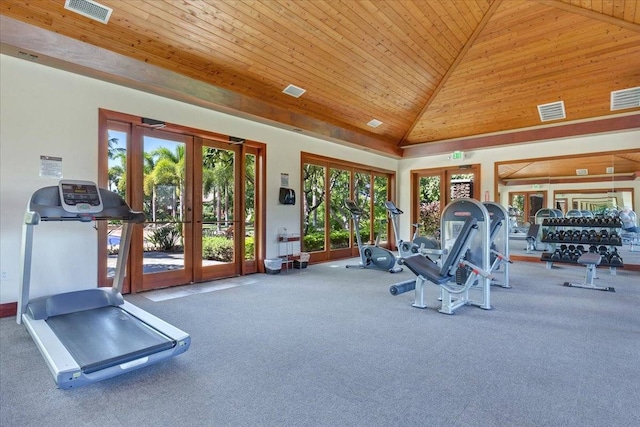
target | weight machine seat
x=421, y=266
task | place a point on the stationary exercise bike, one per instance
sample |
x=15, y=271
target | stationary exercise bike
x=417, y=244
x=371, y=256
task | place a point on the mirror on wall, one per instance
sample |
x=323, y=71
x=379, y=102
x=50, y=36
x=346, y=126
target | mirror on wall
x=598, y=185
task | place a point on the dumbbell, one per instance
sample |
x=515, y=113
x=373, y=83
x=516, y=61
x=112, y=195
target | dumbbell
x=557, y=255
x=615, y=258
x=614, y=239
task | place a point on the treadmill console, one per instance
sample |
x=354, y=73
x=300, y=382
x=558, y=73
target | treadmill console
x=82, y=197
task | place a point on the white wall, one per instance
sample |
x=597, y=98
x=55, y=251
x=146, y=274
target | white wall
x=44, y=111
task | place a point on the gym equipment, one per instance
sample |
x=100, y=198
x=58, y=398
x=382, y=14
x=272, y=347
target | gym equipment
x=418, y=244
x=371, y=256
x=499, y=238
x=591, y=261
x=465, y=259
x=89, y=335
x=402, y=287
x=544, y=217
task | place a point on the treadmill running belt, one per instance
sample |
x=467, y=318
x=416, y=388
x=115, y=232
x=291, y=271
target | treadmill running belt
x=106, y=336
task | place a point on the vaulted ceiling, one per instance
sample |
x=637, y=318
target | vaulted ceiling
x=438, y=74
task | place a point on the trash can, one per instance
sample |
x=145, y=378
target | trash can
x=273, y=265
x=302, y=261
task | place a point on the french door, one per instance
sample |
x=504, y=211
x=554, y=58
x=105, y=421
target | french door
x=200, y=196
x=433, y=189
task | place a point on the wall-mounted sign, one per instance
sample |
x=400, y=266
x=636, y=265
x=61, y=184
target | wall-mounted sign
x=50, y=167
x=457, y=155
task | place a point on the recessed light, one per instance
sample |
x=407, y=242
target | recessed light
x=294, y=91
x=374, y=123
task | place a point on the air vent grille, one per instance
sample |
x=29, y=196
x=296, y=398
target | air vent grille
x=552, y=111
x=582, y=172
x=374, y=123
x=294, y=91
x=90, y=9
x=626, y=98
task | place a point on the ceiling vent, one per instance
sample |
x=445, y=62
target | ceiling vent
x=582, y=172
x=374, y=123
x=294, y=91
x=552, y=111
x=626, y=98
x=90, y=9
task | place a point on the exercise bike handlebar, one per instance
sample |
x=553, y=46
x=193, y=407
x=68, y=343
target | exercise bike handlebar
x=392, y=208
x=352, y=207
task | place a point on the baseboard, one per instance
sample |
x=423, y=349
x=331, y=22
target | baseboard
x=9, y=309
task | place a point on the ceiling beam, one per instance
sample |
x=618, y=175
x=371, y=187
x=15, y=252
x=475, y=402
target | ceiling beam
x=26, y=41
x=485, y=19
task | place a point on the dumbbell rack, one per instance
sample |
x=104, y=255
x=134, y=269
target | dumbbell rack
x=571, y=237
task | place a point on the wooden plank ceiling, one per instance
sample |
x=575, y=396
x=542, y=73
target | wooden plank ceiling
x=621, y=166
x=430, y=71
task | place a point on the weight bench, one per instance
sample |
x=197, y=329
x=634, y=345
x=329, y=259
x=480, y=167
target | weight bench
x=591, y=260
x=532, y=238
x=453, y=295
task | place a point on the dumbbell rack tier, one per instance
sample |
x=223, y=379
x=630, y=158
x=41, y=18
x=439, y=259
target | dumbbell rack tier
x=578, y=235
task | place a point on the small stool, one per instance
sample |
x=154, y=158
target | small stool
x=591, y=260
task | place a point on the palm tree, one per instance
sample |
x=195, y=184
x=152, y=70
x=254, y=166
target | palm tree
x=218, y=172
x=166, y=167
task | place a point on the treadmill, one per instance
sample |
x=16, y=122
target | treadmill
x=93, y=334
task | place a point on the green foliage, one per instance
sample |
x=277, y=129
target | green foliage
x=249, y=248
x=314, y=241
x=340, y=239
x=217, y=248
x=430, y=219
x=166, y=238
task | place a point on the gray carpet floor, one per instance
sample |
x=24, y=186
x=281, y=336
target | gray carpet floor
x=329, y=346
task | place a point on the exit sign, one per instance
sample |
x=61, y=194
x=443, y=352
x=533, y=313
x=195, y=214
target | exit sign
x=457, y=155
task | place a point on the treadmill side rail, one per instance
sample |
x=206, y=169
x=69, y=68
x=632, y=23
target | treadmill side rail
x=60, y=362
x=156, y=323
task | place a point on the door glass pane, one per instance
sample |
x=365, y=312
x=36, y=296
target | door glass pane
x=217, y=206
x=517, y=210
x=430, y=208
x=338, y=215
x=536, y=202
x=117, y=167
x=249, y=206
x=164, y=174
x=314, y=208
x=380, y=196
x=362, y=198
x=461, y=186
